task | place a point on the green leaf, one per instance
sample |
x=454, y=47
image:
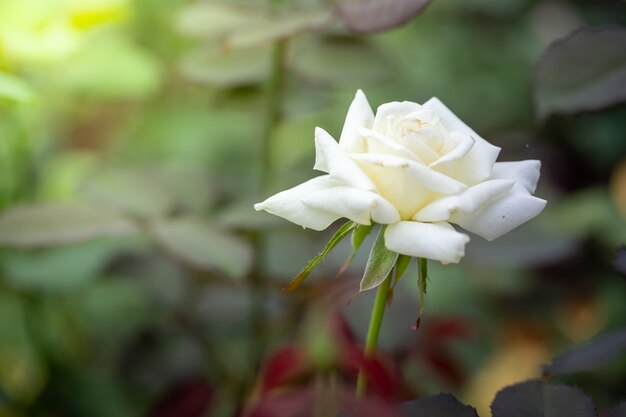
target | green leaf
x=206, y=19
x=14, y=89
x=277, y=28
x=565, y=84
x=379, y=264
x=130, y=191
x=59, y=269
x=203, y=246
x=59, y=223
x=422, y=282
x=361, y=62
x=334, y=241
x=230, y=69
x=359, y=234
x=369, y=16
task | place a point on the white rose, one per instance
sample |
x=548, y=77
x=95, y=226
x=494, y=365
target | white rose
x=416, y=168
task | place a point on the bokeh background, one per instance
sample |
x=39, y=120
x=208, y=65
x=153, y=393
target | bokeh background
x=135, y=135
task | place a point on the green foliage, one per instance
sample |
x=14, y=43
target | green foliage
x=58, y=223
x=59, y=268
x=379, y=264
x=202, y=246
x=339, y=235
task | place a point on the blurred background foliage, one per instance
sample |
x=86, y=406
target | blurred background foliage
x=135, y=277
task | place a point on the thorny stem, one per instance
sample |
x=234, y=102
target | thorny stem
x=376, y=321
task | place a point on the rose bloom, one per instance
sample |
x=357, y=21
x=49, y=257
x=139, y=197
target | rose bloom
x=418, y=169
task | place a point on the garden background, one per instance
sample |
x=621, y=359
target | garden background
x=137, y=280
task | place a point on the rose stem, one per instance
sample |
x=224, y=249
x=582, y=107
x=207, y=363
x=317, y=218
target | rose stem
x=376, y=321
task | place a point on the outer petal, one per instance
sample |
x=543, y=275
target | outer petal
x=359, y=115
x=377, y=143
x=524, y=173
x=394, y=109
x=419, y=173
x=437, y=241
x=468, y=202
x=334, y=160
x=357, y=205
x=477, y=165
x=502, y=215
x=288, y=204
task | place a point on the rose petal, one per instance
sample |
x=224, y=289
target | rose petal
x=524, y=173
x=332, y=159
x=449, y=119
x=463, y=146
x=469, y=201
x=359, y=115
x=377, y=143
x=288, y=204
x=500, y=216
x=477, y=165
x=437, y=241
x=357, y=205
x=419, y=173
x=395, y=109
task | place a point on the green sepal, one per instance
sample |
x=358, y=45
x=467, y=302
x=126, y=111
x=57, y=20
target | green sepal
x=379, y=264
x=334, y=241
x=359, y=234
x=422, y=282
x=402, y=264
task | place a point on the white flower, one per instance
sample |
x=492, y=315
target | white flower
x=416, y=168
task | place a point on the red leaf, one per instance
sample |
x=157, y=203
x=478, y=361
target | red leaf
x=190, y=398
x=283, y=366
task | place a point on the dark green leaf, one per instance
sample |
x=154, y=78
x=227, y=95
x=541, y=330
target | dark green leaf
x=584, y=72
x=359, y=234
x=203, y=246
x=58, y=223
x=590, y=355
x=440, y=405
x=368, y=16
x=379, y=264
x=536, y=399
x=334, y=241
